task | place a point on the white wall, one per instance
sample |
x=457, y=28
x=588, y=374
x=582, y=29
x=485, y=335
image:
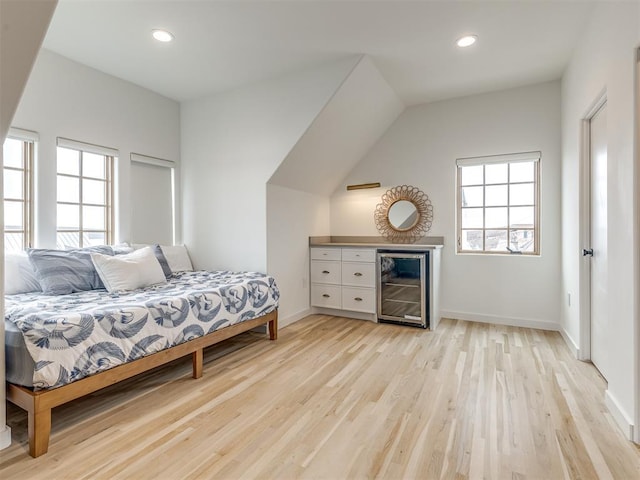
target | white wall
x=231, y=145
x=421, y=148
x=292, y=217
x=23, y=26
x=66, y=99
x=605, y=60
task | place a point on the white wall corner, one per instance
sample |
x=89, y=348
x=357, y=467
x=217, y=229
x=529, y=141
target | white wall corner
x=283, y=322
x=5, y=437
x=499, y=320
x=619, y=415
x=570, y=343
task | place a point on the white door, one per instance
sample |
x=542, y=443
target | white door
x=599, y=310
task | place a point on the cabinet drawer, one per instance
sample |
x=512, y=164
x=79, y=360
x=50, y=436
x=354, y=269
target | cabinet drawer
x=359, y=274
x=328, y=296
x=358, y=255
x=325, y=272
x=359, y=299
x=325, y=254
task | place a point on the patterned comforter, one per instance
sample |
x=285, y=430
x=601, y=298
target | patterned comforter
x=72, y=336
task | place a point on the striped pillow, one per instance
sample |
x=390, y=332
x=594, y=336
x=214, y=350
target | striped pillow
x=61, y=272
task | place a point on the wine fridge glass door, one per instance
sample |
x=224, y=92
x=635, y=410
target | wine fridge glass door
x=401, y=288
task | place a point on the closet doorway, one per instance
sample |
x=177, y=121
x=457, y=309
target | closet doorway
x=598, y=227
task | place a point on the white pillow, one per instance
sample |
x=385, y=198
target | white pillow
x=19, y=275
x=177, y=258
x=133, y=270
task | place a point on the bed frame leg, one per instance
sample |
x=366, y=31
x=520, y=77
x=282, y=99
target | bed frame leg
x=197, y=358
x=273, y=329
x=39, y=426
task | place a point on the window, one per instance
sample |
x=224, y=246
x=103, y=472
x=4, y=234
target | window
x=152, y=200
x=18, y=154
x=85, y=192
x=498, y=204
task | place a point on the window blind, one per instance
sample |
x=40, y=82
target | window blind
x=509, y=157
x=24, y=135
x=152, y=200
x=86, y=147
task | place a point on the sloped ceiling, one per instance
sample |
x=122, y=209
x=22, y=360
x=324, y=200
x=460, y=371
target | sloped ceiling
x=23, y=26
x=360, y=111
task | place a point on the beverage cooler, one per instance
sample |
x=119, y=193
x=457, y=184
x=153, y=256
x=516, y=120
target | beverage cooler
x=403, y=288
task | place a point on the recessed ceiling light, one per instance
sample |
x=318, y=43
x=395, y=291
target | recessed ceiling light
x=466, y=41
x=162, y=35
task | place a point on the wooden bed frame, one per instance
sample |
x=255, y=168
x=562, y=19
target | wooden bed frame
x=38, y=404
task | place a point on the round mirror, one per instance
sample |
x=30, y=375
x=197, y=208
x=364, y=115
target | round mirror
x=403, y=215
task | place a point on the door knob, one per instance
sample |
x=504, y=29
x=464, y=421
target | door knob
x=587, y=252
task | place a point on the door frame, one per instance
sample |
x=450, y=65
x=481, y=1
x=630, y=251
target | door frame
x=584, y=236
x=636, y=236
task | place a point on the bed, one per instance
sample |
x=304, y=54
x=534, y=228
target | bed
x=62, y=347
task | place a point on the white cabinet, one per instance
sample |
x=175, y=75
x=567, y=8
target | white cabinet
x=359, y=299
x=344, y=278
x=326, y=272
x=359, y=255
x=328, y=296
x=326, y=254
x=359, y=274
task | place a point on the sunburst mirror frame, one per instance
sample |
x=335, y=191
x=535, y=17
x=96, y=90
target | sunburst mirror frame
x=424, y=214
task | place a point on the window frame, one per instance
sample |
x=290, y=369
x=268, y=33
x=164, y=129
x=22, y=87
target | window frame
x=28, y=140
x=533, y=157
x=110, y=156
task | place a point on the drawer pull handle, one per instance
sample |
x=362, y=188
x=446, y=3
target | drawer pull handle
x=326, y=271
x=358, y=274
x=358, y=299
x=326, y=295
x=325, y=254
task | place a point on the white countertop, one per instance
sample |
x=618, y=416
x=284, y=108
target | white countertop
x=389, y=246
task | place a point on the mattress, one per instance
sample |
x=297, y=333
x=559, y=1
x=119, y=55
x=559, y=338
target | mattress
x=55, y=340
x=18, y=361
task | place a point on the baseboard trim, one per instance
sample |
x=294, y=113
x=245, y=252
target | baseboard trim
x=511, y=321
x=283, y=322
x=5, y=437
x=621, y=418
x=372, y=317
x=570, y=343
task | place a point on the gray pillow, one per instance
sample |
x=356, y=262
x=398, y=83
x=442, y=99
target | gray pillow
x=61, y=272
x=163, y=261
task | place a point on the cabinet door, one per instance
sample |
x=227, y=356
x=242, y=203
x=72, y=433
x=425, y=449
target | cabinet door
x=325, y=253
x=359, y=274
x=358, y=255
x=359, y=299
x=328, y=296
x=325, y=272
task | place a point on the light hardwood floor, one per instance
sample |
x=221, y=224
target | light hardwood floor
x=337, y=398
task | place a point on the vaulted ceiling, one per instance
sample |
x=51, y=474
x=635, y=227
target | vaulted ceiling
x=221, y=45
